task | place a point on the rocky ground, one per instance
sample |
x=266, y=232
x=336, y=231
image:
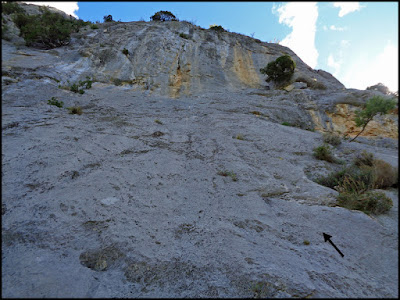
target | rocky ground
x=126, y=200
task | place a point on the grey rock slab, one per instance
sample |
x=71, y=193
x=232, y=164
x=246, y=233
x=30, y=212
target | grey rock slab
x=79, y=183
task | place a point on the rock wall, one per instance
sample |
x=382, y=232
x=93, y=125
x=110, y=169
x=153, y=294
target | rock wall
x=162, y=61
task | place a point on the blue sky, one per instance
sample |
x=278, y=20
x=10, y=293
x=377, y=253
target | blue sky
x=355, y=41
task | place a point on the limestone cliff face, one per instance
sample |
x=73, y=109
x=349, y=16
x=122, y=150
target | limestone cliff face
x=178, y=58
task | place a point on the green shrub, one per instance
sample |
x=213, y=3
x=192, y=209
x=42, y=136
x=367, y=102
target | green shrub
x=163, y=16
x=48, y=30
x=108, y=18
x=368, y=202
x=286, y=123
x=75, y=110
x=94, y=26
x=280, y=70
x=158, y=121
x=350, y=179
x=55, y=102
x=125, y=51
x=373, y=106
x=78, y=87
x=332, y=139
x=217, y=28
x=9, y=8
x=324, y=153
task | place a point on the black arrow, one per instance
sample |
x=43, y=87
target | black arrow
x=327, y=237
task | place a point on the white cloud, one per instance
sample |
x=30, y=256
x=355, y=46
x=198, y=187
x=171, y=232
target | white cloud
x=383, y=68
x=347, y=7
x=302, y=18
x=333, y=64
x=67, y=7
x=334, y=28
x=336, y=63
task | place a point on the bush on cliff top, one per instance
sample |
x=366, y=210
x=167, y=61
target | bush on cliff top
x=280, y=70
x=48, y=30
x=163, y=16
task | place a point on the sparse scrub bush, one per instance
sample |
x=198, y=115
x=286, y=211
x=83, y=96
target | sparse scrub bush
x=364, y=159
x=368, y=202
x=76, y=110
x=385, y=174
x=163, y=16
x=332, y=139
x=94, y=26
x=158, y=121
x=286, y=124
x=373, y=106
x=324, y=152
x=54, y=101
x=281, y=70
x=355, y=183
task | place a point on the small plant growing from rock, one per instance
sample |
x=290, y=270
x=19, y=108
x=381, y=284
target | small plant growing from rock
x=228, y=173
x=373, y=106
x=324, y=153
x=239, y=137
x=158, y=122
x=55, y=102
x=332, y=139
x=125, y=51
x=94, y=26
x=306, y=242
x=76, y=110
x=286, y=124
x=78, y=87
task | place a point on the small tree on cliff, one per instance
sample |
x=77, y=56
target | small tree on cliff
x=163, y=16
x=108, y=18
x=373, y=106
x=280, y=70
